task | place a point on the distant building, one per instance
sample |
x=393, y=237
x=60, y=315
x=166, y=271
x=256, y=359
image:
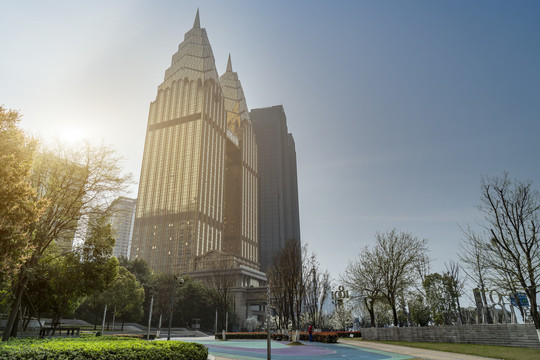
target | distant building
x=122, y=219
x=279, y=219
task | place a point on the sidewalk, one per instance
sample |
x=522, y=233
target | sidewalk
x=414, y=352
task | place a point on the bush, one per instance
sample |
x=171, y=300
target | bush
x=101, y=348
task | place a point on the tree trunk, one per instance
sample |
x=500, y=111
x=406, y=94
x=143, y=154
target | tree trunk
x=369, y=307
x=11, y=325
x=531, y=294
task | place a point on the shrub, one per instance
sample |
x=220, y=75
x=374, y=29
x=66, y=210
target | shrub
x=325, y=337
x=101, y=348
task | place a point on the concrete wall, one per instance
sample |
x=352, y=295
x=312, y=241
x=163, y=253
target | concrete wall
x=523, y=335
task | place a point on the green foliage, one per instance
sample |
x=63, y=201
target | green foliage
x=193, y=302
x=101, y=348
x=441, y=298
x=60, y=281
x=19, y=208
x=126, y=295
x=145, y=277
x=420, y=312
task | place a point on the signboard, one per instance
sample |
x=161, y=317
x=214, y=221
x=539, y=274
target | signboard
x=478, y=299
x=521, y=297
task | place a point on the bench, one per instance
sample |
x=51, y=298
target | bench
x=70, y=331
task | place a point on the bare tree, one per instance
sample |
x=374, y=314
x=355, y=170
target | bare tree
x=397, y=254
x=476, y=266
x=455, y=285
x=363, y=277
x=221, y=284
x=317, y=288
x=286, y=280
x=512, y=250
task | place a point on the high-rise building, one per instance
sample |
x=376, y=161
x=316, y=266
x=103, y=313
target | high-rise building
x=122, y=219
x=197, y=202
x=278, y=185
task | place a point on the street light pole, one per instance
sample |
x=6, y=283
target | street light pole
x=268, y=338
x=180, y=282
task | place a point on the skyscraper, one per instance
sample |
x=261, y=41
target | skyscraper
x=123, y=215
x=197, y=197
x=279, y=219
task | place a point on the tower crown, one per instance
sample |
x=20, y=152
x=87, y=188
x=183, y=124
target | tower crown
x=194, y=58
x=235, y=101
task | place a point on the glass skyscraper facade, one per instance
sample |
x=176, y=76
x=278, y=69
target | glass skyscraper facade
x=198, y=187
x=279, y=219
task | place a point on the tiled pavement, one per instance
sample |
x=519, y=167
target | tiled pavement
x=346, y=349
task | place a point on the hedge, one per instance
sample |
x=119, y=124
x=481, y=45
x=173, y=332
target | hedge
x=100, y=348
x=325, y=337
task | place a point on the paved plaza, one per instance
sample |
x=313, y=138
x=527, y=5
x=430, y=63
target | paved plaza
x=256, y=349
x=345, y=349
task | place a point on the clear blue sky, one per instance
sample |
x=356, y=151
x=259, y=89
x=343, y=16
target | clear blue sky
x=397, y=107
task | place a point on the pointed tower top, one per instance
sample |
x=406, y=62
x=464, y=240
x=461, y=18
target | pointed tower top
x=197, y=23
x=229, y=65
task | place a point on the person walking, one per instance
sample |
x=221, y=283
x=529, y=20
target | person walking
x=310, y=333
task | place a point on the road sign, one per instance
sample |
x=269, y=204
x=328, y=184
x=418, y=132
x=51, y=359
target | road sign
x=521, y=297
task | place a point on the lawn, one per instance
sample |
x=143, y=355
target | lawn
x=497, y=352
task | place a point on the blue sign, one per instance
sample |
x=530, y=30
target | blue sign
x=521, y=297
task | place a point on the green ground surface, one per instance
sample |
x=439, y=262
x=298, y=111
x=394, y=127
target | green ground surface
x=497, y=352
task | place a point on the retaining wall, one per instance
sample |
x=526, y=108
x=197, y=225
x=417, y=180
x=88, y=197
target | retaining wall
x=522, y=335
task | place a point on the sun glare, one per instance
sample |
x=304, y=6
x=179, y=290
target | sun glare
x=71, y=135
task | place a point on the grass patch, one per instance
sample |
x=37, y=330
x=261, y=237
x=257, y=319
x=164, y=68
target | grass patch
x=492, y=351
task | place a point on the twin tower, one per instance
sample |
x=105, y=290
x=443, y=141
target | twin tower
x=198, y=200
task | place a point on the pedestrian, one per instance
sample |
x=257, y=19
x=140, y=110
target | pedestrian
x=310, y=333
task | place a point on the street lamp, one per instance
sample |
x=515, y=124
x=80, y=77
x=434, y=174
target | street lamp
x=180, y=283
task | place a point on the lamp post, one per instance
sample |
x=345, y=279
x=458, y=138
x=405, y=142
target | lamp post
x=180, y=283
x=268, y=342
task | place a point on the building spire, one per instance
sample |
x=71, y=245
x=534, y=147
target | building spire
x=197, y=23
x=229, y=65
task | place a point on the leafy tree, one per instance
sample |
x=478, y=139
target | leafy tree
x=19, y=208
x=420, y=311
x=60, y=281
x=438, y=299
x=74, y=185
x=397, y=255
x=193, y=302
x=163, y=289
x=145, y=277
x=126, y=297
